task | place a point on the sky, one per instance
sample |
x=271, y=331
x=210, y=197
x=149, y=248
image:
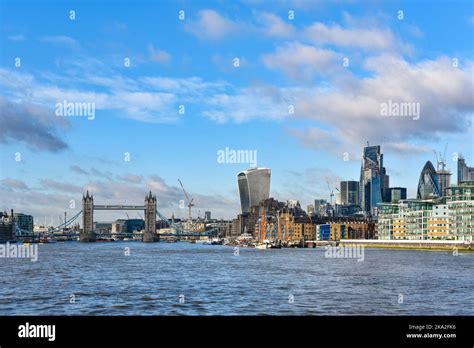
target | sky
x=170, y=84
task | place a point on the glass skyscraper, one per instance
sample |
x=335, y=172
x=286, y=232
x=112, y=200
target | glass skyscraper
x=465, y=173
x=349, y=192
x=397, y=194
x=373, y=183
x=254, y=186
x=428, y=185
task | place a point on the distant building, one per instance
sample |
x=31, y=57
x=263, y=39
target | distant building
x=345, y=210
x=293, y=203
x=254, y=186
x=224, y=228
x=245, y=223
x=7, y=228
x=349, y=192
x=444, y=181
x=304, y=229
x=320, y=207
x=323, y=232
x=465, y=173
x=310, y=209
x=119, y=226
x=102, y=227
x=125, y=226
x=24, y=222
x=428, y=185
x=397, y=193
x=415, y=219
x=460, y=201
x=135, y=225
x=374, y=182
x=207, y=215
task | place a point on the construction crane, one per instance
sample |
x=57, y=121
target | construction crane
x=440, y=161
x=331, y=192
x=190, y=201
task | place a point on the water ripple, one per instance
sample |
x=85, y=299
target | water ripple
x=187, y=279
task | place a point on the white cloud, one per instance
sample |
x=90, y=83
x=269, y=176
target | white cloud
x=302, y=61
x=443, y=92
x=60, y=40
x=158, y=56
x=241, y=105
x=366, y=38
x=274, y=26
x=211, y=25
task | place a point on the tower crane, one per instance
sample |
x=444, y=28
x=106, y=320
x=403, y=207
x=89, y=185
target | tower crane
x=331, y=192
x=440, y=161
x=190, y=201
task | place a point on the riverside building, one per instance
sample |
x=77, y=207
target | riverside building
x=450, y=218
x=460, y=203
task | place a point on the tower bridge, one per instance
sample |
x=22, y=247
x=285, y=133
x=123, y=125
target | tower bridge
x=88, y=207
x=149, y=234
x=150, y=210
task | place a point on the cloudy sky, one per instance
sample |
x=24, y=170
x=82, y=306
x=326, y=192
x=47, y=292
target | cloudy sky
x=173, y=82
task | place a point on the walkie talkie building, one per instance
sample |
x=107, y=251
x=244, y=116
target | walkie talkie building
x=254, y=186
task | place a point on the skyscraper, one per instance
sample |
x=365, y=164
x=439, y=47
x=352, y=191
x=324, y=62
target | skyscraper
x=465, y=173
x=373, y=179
x=428, y=184
x=254, y=186
x=397, y=193
x=444, y=181
x=349, y=192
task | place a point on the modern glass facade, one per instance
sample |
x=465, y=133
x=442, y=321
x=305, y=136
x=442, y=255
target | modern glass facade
x=465, y=173
x=24, y=222
x=444, y=181
x=349, y=192
x=408, y=219
x=460, y=201
x=397, y=193
x=373, y=183
x=428, y=185
x=254, y=186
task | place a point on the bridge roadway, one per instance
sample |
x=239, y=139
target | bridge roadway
x=118, y=207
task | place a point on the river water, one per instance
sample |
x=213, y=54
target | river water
x=134, y=278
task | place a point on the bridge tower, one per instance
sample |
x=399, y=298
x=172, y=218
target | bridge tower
x=87, y=234
x=149, y=234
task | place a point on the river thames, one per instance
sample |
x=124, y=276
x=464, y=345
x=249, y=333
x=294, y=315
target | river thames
x=133, y=278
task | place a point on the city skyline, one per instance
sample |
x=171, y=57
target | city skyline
x=291, y=99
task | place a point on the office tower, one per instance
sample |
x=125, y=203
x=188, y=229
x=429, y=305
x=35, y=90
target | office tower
x=254, y=186
x=207, y=215
x=465, y=173
x=23, y=221
x=428, y=185
x=349, y=192
x=444, y=176
x=444, y=181
x=373, y=181
x=320, y=207
x=397, y=194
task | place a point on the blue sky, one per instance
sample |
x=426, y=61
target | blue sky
x=426, y=57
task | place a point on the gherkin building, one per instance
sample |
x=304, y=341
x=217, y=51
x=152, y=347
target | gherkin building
x=428, y=185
